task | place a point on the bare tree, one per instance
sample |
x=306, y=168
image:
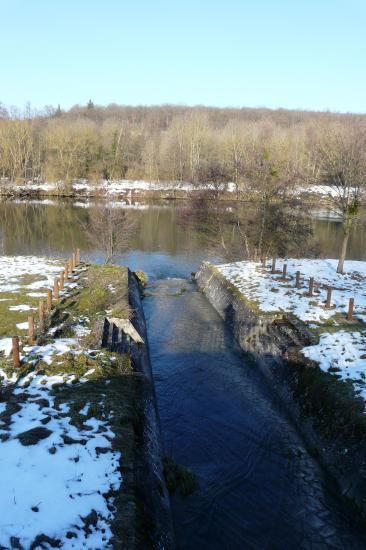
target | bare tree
x=340, y=166
x=111, y=230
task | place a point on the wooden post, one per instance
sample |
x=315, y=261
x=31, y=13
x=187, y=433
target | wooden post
x=328, y=303
x=351, y=304
x=62, y=280
x=73, y=259
x=273, y=270
x=56, y=289
x=77, y=256
x=284, y=271
x=311, y=286
x=263, y=261
x=70, y=267
x=66, y=271
x=49, y=300
x=15, y=350
x=41, y=316
x=297, y=283
x=31, y=338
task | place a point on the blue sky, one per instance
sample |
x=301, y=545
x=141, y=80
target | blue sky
x=308, y=54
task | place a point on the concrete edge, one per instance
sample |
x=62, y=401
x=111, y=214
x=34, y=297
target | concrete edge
x=150, y=479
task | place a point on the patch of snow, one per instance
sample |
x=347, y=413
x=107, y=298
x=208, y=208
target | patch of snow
x=58, y=347
x=13, y=268
x=85, y=409
x=81, y=330
x=344, y=353
x=21, y=307
x=6, y=346
x=22, y=326
x=49, y=493
x=113, y=187
x=325, y=190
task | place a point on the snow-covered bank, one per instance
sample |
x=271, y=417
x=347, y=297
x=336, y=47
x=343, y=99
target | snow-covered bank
x=13, y=268
x=177, y=189
x=58, y=468
x=342, y=346
x=111, y=187
x=272, y=294
x=80, y=448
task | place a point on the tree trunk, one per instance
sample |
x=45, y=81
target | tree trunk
x=346, y=231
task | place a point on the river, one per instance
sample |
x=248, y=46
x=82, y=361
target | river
x=259, y=488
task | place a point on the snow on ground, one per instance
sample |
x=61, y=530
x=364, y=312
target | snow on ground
x=115, y=187
x=342, y=351
x=274, y=295
x=13, y=268
x=5, y=346
x=21, y=307
x=324, y=190
x=57, y=477
x=123, y=186
x=47, y=352
x=53, y=477
x=23, y=280
x=22, y=326
x=344, y=354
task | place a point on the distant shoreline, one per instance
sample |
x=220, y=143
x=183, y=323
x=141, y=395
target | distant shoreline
x=140, y=189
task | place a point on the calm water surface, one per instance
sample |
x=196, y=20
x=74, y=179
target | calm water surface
x=258, y=486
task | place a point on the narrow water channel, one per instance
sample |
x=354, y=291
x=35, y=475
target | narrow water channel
x=258, y=486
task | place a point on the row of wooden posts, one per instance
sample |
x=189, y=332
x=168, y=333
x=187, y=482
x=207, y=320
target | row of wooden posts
x=328, y=302
x=46, y=307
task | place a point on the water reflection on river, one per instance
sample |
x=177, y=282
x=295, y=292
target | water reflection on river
x=259, y=488
x=27, y=228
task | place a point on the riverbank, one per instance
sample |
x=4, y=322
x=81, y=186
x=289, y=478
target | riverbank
x=118, y=190
x=134, y=190
x=83, y=411
x=312, y=354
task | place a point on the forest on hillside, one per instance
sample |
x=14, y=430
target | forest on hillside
x=178, y=143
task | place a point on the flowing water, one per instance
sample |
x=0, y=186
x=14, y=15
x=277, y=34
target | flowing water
x=258, y=485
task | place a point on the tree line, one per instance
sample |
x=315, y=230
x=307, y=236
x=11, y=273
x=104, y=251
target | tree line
x=260, y=148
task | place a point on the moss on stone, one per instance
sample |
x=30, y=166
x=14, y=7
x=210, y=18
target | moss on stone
x=179, y=478
x=142, y=278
